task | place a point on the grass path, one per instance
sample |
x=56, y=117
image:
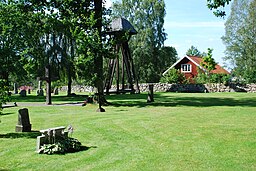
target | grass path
x=176, y=132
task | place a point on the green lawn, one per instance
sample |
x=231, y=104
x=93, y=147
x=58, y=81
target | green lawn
x=213, y=131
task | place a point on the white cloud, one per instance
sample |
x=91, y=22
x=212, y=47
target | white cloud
x=188, y=41
x=194, y=24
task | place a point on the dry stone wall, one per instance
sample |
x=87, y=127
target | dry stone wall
x=193, y=88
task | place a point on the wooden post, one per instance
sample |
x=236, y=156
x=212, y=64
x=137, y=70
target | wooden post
x=150, y=93
x=127, y=64
x=123, y=73
x=117, y=72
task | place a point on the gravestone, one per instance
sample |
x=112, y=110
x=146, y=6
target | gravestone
x=15, y=88
x=40, y=91
x=23, y=93
x=56, y=91
x=29, y=91
x=50, y=136
x=150, y=93
x=23, y=124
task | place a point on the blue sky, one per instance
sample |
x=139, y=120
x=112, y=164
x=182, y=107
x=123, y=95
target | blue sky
x=190, y=22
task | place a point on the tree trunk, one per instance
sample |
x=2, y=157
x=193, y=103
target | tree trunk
x=48, y=85
x=98, y=59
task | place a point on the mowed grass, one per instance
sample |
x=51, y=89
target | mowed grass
x=214, y=131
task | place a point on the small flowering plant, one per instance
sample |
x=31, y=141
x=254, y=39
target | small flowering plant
x=70, y=130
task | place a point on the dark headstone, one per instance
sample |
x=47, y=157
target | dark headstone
x=150, y=93
x=23, y=93
x=89, y=100
x=23, y=121
x=56, y=91
x=29, y=91
x=40, y=91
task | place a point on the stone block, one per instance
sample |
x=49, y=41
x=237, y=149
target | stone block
x=40, y=142
x=50, y=136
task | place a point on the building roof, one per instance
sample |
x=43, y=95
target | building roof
x=218, y=69
x=197, y=61
x=122, y=25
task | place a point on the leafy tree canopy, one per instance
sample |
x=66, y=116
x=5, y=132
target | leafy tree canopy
x=208, y=61
x=193, y=51
x=240, y=39
x=216, y=6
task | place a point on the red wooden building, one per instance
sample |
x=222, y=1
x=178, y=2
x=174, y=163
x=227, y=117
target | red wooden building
x=189, y=66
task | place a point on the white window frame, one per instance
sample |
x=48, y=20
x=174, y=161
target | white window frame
x=187, y=66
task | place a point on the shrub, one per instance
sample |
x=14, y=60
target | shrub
x=61, y=147
x=173, y=76
x=203, y=78
x=3, y=94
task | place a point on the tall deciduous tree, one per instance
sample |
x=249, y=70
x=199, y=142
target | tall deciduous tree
x=240, y=38
x=13, y=35
x=168, y=56
x=193, y=51
x=147, y=16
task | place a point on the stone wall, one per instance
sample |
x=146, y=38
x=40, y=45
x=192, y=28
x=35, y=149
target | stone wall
x=78, y=88
x=193, y=88
x=201, y=88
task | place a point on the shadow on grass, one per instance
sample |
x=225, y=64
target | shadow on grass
x=59, y=98
x=32, y=134
x=140, y=100
x=82, y=148
x=67, y=151
x=172, y=101
x=8, y=113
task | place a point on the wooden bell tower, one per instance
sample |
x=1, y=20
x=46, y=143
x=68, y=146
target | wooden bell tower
x=121, y=31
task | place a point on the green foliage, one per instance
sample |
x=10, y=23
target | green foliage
x=4, y=97
x=61, y=147
x=63, y=34
x=14, y=32
x=201, y=78
x=216, y=4
x=193, y=51
x=240, y=39
x=204, y=78
x=208, y=61
x=173, y=76
x=167, y=57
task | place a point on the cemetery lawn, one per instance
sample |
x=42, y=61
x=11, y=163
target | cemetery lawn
x=213, y=131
